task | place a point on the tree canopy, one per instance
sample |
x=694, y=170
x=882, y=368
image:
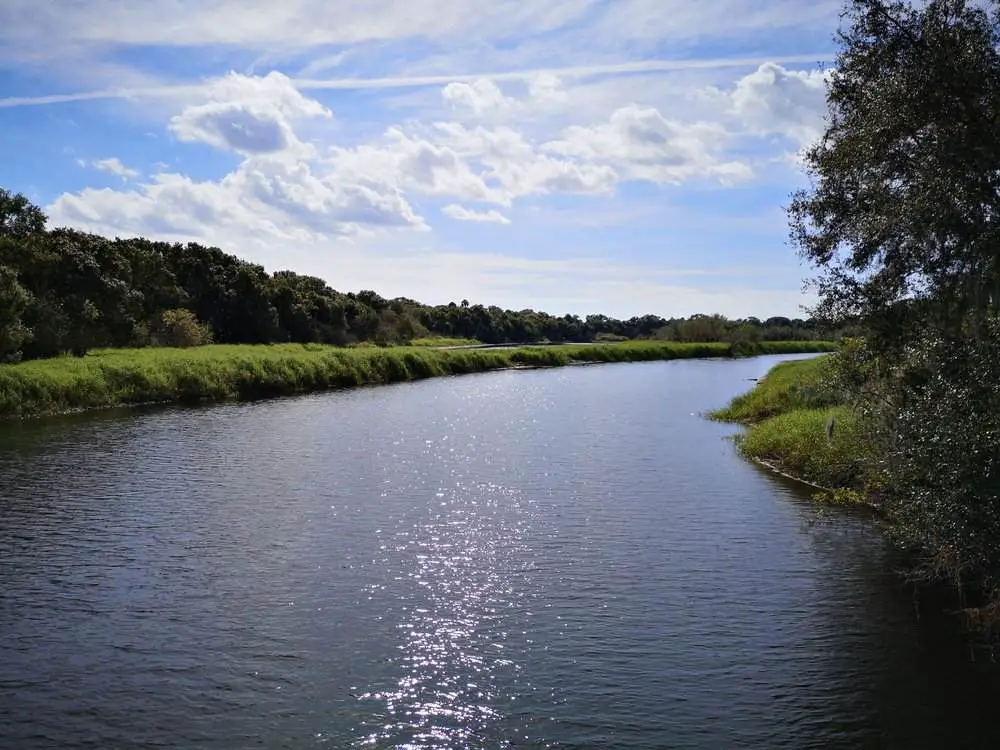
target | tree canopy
x=902, y=222
x=67, y=291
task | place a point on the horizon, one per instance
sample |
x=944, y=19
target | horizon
x=620, y=158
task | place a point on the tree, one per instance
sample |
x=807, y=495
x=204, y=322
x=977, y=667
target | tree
x=14, y=299
x=19, y=217
x=905, y=203
x=180, y=328
x=902, y=222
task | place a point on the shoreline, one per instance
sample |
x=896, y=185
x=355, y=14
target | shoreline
x=117, y=378
x=786, y=418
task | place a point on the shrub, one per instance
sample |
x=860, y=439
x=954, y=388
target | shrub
x=180, y=328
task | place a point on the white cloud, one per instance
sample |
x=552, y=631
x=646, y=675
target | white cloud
x=248, y=114
x=263, y=197
x=482, y=96
x=484, y=99
x=495, y=165
x=773, y=99
x=643, y=145
x=322, y=64
x=112, y=165
x=656, y=20
x=547, y=88
x=145, y=88
x=461, y=213
x=262, y=25
x=285, y=189
x=500, y=146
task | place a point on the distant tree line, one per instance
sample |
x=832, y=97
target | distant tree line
x=64, y=291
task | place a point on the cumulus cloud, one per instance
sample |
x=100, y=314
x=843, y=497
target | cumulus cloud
x=248, y=114
x=263, y=197
x=484, y=99
x=481, y=97
x=547, y=88
x=641, y=144
x=490, y=165
x=112, y=165
x=773, y=99
x=461, y=213
x=286, y=189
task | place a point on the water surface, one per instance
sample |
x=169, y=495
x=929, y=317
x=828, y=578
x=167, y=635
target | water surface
x=571, y=558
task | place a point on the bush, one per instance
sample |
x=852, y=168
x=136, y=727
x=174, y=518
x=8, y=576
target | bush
x=935, y=421
x=180, y=328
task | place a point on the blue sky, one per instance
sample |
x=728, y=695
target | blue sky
x=613, y=156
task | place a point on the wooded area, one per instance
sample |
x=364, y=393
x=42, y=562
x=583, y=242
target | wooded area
x=902, y=221
x=66, y=291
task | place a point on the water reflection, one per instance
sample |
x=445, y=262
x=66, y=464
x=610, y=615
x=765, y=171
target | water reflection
x=552, y=559
x=458, y=653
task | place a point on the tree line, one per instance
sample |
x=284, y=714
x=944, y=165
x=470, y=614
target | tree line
x=902, y=223
x=64, y=291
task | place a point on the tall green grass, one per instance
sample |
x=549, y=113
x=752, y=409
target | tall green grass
x=797, y=425
x=116, y=377
x=796, y=443
x=444, y=341
x=798, y=384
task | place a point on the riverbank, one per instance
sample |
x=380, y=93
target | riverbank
x=796, y=426
x=122, y=377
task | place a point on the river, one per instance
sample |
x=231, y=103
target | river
x=569, y=558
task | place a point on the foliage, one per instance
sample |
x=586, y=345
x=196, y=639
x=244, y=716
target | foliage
x=797, y=443
x=902, y=217
x=13, y=301
x=798, y=424
x=19, y=218
x=798, y=384
x=937, y=429
x=902, y=222
x=609, y=338
x=113, y=377
x=443, y=341
x=87, y=291
x=180, y=328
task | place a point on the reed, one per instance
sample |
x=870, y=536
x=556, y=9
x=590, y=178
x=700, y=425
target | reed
x=118, y=377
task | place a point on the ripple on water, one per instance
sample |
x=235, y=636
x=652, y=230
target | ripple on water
x=551, y=559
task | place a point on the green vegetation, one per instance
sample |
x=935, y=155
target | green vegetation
x=443, y=341
x=67, y=291
x=117, y=377
x=796, y=426
x=796, y=443
x=901, y=221
x=799, y=384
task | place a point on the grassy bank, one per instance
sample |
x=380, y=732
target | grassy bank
x=788, y=414
x=118, y=377
x=444, y=341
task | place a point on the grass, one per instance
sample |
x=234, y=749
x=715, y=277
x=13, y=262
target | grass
x=787, y=414
x=796, y=443
x=444, y=341
x=118, y=377
x=788, y=386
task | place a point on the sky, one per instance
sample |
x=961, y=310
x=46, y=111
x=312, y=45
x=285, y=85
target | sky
x=621, y=157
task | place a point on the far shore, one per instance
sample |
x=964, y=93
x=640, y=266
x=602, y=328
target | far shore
x=130, y=377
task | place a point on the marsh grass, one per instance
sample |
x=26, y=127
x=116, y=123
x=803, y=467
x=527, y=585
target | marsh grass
x=443, y=341
x=796, y=443
x=796, y=425
x=799, y=384
x=116, y=377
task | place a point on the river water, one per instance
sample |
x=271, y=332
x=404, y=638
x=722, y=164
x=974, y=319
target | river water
x=568, y=558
